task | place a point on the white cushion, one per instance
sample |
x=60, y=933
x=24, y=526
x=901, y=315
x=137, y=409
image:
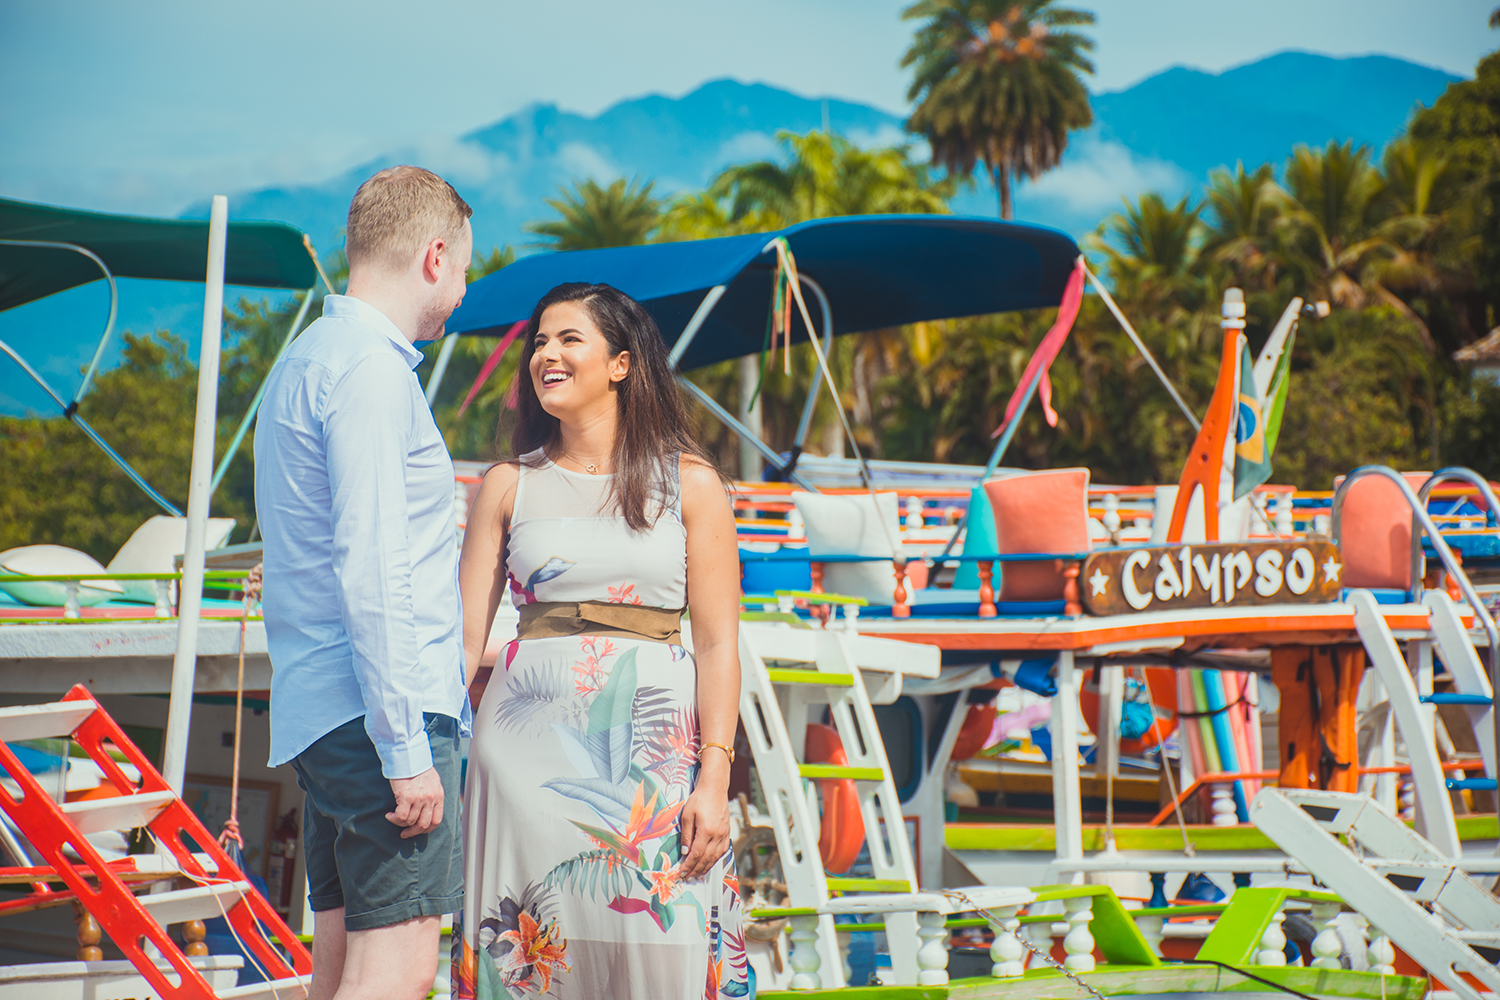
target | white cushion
x=848, y=526
x=54, y=560
x=154, y=545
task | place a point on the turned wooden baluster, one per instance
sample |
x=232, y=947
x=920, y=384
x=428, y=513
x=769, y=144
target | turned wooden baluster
x=820, y=611
x=193, y=933
x=986, y=589
x=1072, y=606
x=899, y=608
x=89, y=934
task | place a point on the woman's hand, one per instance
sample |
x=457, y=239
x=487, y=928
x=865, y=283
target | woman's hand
x=705, y=818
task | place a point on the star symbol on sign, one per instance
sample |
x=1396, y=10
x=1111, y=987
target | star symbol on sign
x=1331, y=570
x=1098, y=582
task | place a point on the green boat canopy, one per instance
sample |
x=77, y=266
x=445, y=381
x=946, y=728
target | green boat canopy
x=259, y=254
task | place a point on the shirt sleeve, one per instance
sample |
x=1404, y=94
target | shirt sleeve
x=367, y=428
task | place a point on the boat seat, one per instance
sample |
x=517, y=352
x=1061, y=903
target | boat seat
x=1038, y=512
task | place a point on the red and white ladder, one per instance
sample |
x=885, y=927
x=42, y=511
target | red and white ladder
x=138, y=924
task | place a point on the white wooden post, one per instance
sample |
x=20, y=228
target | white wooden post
x=1066, y=796
x=1272, y=949
x=932, y=954
x=1079, y=942
x=200, y=475
x=805, y=958
x=1326, y=945
x=1151, y=929
x=1006, y=951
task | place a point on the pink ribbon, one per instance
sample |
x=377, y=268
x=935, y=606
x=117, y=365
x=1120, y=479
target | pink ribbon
x=1046, y=352
x=491, y=362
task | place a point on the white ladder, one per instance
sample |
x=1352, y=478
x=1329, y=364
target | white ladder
x=785, y=672
x=1400, y=871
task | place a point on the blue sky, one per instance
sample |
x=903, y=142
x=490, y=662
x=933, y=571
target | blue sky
x=152, y=105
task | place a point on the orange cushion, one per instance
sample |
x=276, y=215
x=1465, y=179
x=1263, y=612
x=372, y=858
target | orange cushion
x=1038, y=512
x=1375, y=532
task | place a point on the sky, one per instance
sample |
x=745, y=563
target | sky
x=153, y=105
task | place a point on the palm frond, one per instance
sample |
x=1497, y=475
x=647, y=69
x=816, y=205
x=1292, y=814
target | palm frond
x=600, y=874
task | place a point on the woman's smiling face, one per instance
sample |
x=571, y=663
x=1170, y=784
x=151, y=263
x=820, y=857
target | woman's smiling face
x=572, y=367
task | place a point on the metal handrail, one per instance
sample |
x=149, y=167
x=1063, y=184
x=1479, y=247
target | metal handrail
x=1443, y=475
x=1420, y=518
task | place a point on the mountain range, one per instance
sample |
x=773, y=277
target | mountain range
x=1165, y=134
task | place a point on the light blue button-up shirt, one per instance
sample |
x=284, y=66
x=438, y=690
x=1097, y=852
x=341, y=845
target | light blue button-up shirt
x=354, y=493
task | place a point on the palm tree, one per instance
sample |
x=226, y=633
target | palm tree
x=826, y=175
x=595, y=217
x=1154, y=253
x=1244, y=207
x=1347, y=237
x=997, y=81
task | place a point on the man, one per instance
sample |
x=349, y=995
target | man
x=354, y=492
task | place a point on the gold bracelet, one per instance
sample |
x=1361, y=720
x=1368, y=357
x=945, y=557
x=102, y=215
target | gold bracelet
x=727, y=749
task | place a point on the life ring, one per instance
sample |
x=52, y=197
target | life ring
x=1162, y=684
x=842, y=830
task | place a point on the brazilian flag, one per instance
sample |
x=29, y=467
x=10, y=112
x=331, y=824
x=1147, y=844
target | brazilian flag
x=1252, y=457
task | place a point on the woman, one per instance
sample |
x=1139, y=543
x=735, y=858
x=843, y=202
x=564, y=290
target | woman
x=596, y=810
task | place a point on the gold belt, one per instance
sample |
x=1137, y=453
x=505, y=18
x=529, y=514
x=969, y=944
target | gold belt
x=550, y=619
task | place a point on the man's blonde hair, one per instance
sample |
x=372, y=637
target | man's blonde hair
x=396, y=213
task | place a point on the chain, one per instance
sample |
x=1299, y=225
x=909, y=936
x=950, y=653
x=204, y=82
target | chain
x=999, y=924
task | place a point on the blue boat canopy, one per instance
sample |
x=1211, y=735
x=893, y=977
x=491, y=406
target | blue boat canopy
x=877, y=271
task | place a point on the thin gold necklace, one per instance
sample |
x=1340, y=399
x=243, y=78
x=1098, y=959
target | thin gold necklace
x=588, y=467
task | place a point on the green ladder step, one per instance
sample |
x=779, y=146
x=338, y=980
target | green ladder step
x=783, y=675
x=836, y=771
x=868, y=885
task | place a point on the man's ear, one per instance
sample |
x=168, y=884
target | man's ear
x=433, y=260
x=619, y=367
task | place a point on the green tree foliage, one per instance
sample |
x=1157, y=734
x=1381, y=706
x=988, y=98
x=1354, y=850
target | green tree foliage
x=998, y=82
x=593, y=217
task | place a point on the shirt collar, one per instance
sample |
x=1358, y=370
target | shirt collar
x=348, y=307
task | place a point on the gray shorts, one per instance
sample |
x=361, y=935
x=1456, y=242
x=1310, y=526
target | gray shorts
x=355, y=856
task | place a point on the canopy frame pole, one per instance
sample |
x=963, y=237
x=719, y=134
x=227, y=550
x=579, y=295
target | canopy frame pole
x=190, y=590
x=114, y=305
x=695, y=324
x=440, y=367
x=805, y=424
x=728, y=420
x=93, y=435
x=1140, y=345
x=260, y=394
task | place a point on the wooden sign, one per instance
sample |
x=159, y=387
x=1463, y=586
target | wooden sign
x=1215, y=575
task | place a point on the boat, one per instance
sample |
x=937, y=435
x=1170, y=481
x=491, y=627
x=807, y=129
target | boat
x=923, y=878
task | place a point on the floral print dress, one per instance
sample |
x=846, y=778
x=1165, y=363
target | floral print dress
x=585, y=750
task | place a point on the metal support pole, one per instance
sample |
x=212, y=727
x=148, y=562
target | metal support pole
x=190, y=592
x=728, y=420
x=1141, y=346
x=805, y=424
x=114, y=303
x=260, y=394
x=695, y=324
x=440, y=367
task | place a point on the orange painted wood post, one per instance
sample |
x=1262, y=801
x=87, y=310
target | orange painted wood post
x=899, y=608
x=1072, y=606
x=1297, y=734
x=1337, y=671
x=817, y=577
x=986, y=589
x=1205, y=461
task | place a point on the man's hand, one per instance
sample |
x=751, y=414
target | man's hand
x=419, y=803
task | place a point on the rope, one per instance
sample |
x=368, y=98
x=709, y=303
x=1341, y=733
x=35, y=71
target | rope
x=789, y=264
x=1161, y=752
x=250, y=595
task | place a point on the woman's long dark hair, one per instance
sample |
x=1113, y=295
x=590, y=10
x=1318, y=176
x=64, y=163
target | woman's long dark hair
x=653, y=425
